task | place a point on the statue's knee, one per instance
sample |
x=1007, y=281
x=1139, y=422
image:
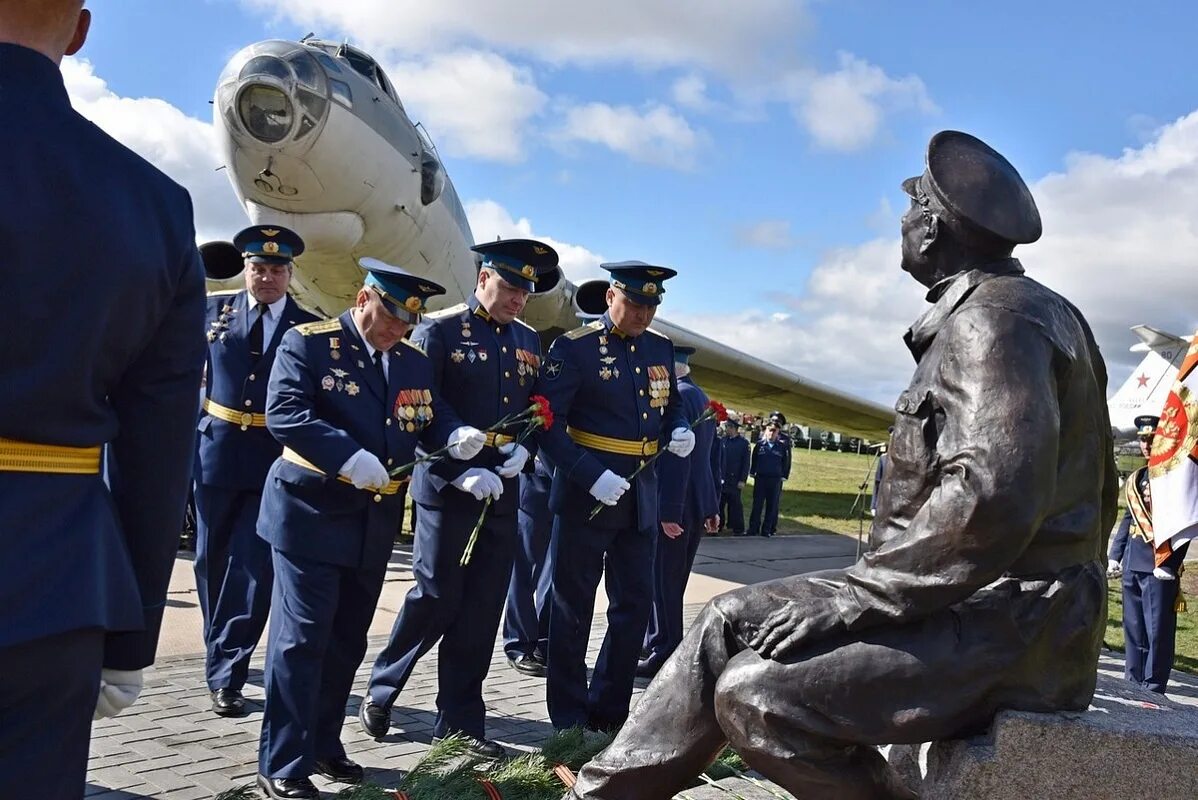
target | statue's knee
x=728, y=607
x=738, y=699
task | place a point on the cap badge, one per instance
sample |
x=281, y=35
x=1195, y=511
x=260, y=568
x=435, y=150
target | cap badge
x=536, y=248
x=270, y=247
x=655, y=272
x=270, y=231
x=413, y=304
x=649, y=288
x=527, y=271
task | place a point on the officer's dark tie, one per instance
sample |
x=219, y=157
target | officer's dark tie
x=378, y=364
x=256, y=333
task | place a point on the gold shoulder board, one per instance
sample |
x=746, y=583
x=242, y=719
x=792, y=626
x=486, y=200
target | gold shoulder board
x=590, y=327
x=446, y=312
x=415, y=347
x=320, y=326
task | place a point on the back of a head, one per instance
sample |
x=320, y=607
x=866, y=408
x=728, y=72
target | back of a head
x=54, y=28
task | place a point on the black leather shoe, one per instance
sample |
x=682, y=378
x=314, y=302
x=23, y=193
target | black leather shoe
x=376, y=720
x=339, y=769
x=480, y=747
x=539, y=657
x=288, y=788
x=648, y=667
x=527, y=665
x=228, y=703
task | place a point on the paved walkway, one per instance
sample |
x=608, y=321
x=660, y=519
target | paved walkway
x=169, y=745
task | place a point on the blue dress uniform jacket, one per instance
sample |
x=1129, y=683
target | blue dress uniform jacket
x=325, y=409
x=770, y=460
x=331, y=541
x=103, y=345
x=609, y=393
x=483, y=371
x=598, y=382
x=1149, y=604
x=232, y=565
x=736, y=461
x=230, y=455
x=103, y=348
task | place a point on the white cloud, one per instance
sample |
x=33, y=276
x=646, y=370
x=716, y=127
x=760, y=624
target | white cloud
x=733, y=38
x=476, y=103
x=844, y=110
x=768, y=234
x=658, y=135
x=489, y=220
x=690, y=91
x=1120, y=241
x=181, y=146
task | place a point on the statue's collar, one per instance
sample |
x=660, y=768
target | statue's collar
x=950, y=293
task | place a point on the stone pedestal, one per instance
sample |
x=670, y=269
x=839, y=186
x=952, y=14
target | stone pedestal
x=1130, y=743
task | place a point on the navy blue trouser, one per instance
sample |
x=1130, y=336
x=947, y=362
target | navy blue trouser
x=460, y=606
x=1149, y=628
x=320, y=615
x=767, y=492
x=239, y=604
x=732, y=509
x=47, y=697
x=526, y=617
x=580, y=554
x=672, y=562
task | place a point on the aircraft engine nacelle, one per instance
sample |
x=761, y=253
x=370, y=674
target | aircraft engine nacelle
x=222, y=261
x=590, y=297
x=551, y=306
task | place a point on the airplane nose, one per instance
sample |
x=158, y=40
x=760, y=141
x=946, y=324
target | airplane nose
x=273, y=91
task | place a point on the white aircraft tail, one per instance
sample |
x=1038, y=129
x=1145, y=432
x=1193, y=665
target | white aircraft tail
x=1145, y=390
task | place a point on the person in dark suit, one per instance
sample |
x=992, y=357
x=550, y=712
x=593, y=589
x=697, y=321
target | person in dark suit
x=615, y=402
x=103, y=352
x=736, y=464
x=526, y=616
x=349, y=399
x=769, y=468
x=1150, y=590
x=717, y=471
x=688, y=505
x=484, y=361
x=232, y=565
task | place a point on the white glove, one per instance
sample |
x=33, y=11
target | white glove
x=466, y=442
x=609, y=488
x=480, y=483
x=118, y=689
x=517, y=456
x=1162, y=574
x=365, y=471
x=682, y=441
x=1113, y=567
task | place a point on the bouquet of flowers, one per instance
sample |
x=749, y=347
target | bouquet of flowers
x=538, y=416
x=714, y=410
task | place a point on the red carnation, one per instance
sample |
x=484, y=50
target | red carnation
x=721, y=413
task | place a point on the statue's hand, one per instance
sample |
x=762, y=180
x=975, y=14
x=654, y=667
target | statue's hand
x=782, y=632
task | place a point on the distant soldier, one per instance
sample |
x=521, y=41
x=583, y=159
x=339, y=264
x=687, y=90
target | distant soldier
x=615, y=402
x=349, y=399
x=717, y=471
x=736, y=463
x=232, y=565
x=769, y=468
x=1150, y=592
x=103, y=350
x=688, y=505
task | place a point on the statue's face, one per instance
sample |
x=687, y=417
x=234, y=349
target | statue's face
x=916, y=227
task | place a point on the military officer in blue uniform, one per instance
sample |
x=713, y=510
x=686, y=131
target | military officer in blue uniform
x=1150, y=592
x=232, y=564
x=615, y=402
x=769, y=468
x=526, y=614
x=736, y=474
x=717, y=470
x=485, y=362
x=349, y=399
x=103, y=351
x=688, y=506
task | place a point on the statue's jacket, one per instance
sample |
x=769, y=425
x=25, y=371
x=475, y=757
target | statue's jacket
x=991, y=507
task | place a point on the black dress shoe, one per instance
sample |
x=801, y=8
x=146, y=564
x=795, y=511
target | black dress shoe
x=288, y=788
x=339, y=769
x=376, y=720
x=479, y=747
x=527, y=665
x=228, y=703
x=648, y=667
x=539, y=657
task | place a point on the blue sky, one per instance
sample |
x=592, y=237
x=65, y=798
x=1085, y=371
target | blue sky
x=757, y=147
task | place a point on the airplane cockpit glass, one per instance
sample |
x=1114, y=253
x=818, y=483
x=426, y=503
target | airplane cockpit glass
x=341, y=93
x=266, y=112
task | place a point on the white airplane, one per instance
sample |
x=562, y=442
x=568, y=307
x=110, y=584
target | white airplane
x=1145, y=390
x=316, y=139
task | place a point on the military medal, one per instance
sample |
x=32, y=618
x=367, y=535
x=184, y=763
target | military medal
x=482, y=355
x=471, y=357
x=334, y=348
x=351, y=388
x=605, y=373
x=457, y=356
x=327, y=383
